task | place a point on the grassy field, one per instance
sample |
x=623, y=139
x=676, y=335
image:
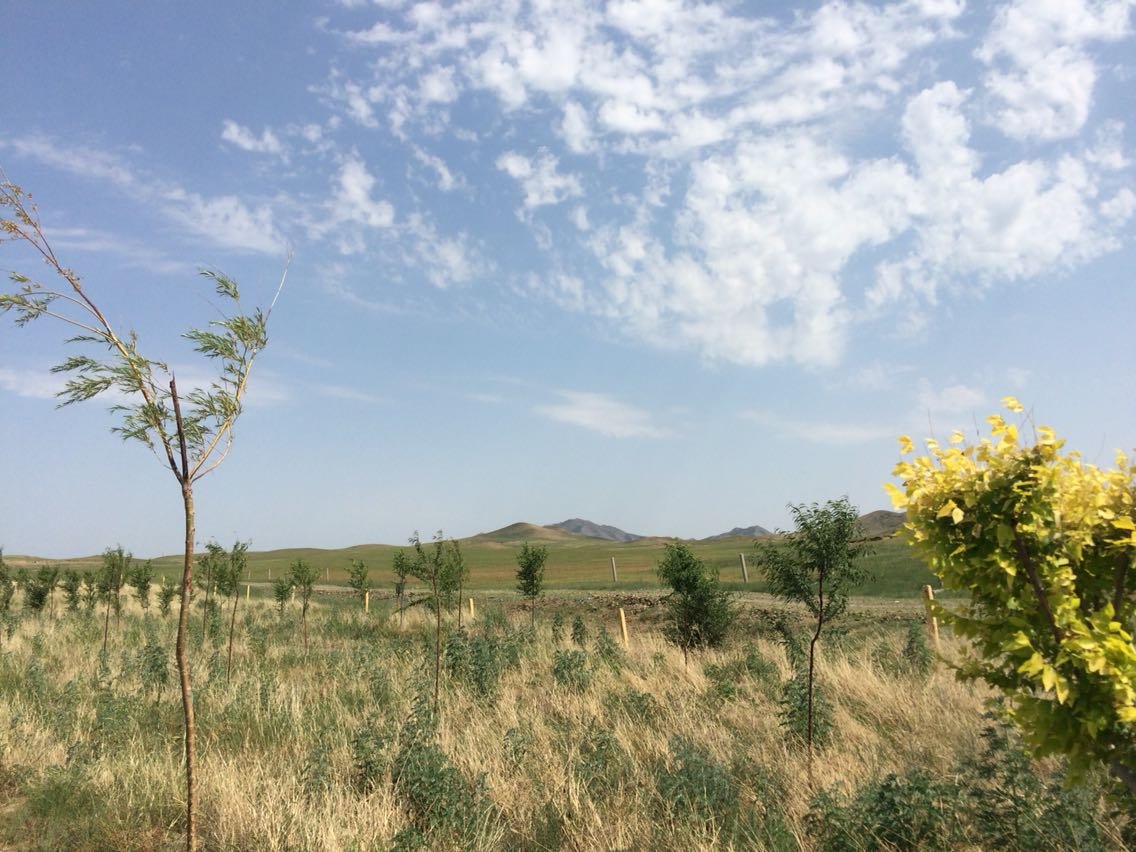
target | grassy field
x=574, y=562
x=539, y=742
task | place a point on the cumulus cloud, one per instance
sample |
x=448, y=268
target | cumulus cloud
x=539, y=177
x=243, y=138
x=1041, y=75
x=601, y=413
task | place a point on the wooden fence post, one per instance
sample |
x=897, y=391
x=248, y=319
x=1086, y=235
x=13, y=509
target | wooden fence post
x=614, y=574
x=932, y=622
x=745, y=570
x=623, y=627
x=471, y=607
x=248, y=591
x=367, y=600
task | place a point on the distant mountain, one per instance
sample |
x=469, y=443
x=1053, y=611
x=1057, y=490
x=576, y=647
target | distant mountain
x=593, y=530
x=521, y=532
x=881, y=523
x=741, y=532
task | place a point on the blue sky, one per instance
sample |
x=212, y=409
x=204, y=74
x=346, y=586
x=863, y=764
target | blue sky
x=663, y=265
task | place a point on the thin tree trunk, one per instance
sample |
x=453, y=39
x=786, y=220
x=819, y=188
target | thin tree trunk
x=232, y=629
x=106, y=625
x=532, y=614
x=182, y=631
x=437, y=639
x=812, y=669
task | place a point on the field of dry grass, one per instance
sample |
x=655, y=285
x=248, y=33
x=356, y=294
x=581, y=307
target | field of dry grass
x=335, y=748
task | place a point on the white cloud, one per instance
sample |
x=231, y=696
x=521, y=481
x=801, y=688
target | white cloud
x=822, y=432
x=353, y=201
x=539, y=178
x=446, y=181
x=225, y=220
x=32, y=384
x=604, y=414
x=950, y=400
x=246, y=140
x=1041, y=75
x=438, y=86
x=576, y=128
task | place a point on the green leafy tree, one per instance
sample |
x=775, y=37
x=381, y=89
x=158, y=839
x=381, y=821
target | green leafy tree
x=141, y=578
x=210, y=566
x=302, y=577
x=72, y=589
x=167, y=591
x=111, y=578
x=7, y=590
x=282, y=591
x=817, y=565
x=229, y=585
x=401, y=569
x=191, y=433
x=1044, y=548
x=698, y=609
x=90, y=590
x=454, y=574
x=38, y=590
x=438, y=567
x=530, y=575
x=357, y=577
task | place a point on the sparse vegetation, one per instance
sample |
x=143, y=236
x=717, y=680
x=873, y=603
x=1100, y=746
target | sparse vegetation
x=341, y=747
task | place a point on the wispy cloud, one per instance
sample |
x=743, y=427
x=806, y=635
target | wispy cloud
x=823, y=432
x=604, y=414
x=224, y=220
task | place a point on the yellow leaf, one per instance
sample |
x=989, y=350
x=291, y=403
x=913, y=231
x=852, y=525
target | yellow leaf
x=1124, y=523
x=1011, y=404
x=1126, y=714
x=905, y=444
x=957, y=515
x=1061, y=687
x=898, y=498
x=1048, y=678
x=949, y=508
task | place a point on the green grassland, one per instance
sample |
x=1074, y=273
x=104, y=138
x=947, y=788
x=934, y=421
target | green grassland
x=574, y=563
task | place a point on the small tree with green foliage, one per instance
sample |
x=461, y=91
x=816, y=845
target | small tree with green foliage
x=357, y=578
x=7, y=590
x=817, y=565
x=72, y=589
x=302, y=577
x=454, y=574
x=282, y=592
x=229, y=585
x=437, y=566
x=111, y=578
x=167, y=591
x=209, y=568
x=190, y=433
x=401, y=569
x=530, y=575
x=141, y=578
x=698, y=609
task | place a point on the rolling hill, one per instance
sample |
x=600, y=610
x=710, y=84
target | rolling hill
x=593, y=530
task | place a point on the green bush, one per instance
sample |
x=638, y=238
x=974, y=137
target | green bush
x=697, y=786
x=603, y=766
x=794, y=712
x=570, y=669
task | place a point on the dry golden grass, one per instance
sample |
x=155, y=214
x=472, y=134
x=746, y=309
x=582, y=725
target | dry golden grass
x=84, y=766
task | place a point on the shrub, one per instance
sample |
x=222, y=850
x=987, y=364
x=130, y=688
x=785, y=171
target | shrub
x=579, y=630
x=570, y=669
x=696, y=785
x=794, y=712
x=603, y=766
